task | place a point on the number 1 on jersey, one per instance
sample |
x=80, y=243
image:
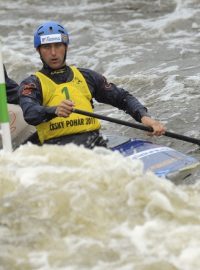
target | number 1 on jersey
x=65, y=92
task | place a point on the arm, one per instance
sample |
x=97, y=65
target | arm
x=109, y=93
x=12, y=89
x=30, y=97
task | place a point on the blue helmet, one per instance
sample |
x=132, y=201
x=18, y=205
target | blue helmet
x=50, y=32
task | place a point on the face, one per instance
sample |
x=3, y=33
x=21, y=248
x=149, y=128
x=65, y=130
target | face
x=53, y=54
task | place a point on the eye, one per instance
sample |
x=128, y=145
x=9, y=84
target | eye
x=58, y=45
x=46, y=46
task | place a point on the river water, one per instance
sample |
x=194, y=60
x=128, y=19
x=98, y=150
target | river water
x=71, y=208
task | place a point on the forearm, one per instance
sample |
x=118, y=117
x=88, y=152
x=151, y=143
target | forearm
x=129, y=104
x=36, y=114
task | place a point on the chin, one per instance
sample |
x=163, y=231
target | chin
x=56, y=66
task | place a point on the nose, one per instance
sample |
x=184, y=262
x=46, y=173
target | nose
x=53, y=49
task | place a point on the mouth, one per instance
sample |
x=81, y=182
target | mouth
x=54, y=61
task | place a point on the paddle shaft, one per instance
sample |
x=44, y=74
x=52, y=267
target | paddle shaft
x=137, y=126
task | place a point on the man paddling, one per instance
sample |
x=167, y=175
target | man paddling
x=48, y=97
x=12, y=89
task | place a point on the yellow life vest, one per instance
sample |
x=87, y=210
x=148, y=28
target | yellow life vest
x=76, y=90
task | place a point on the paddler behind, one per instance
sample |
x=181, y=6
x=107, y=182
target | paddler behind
x=12, y=89
x=48, y=97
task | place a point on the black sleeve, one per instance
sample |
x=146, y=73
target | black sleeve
x=109, y=93
x=30, y=96
x=12, y=89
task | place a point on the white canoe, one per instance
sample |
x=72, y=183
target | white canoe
x=20, y=130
